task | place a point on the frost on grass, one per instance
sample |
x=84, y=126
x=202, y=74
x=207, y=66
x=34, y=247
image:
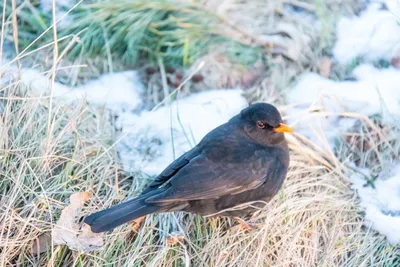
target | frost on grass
x=382, y=204
x=155, y=138
x=67, y=230
x=62, y=6
x=321, y=103
x=46, y=5
x=117, y=91
x=373, y=35
x=325, y=109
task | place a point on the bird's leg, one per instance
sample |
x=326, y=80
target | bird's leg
x=137, y=223
x=243, y=225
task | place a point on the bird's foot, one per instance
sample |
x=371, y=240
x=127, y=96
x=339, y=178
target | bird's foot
x=175, y=238
x=136, y=223
x=244, y=226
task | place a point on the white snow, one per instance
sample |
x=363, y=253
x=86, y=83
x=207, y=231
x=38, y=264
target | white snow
x=151, y=139
x=320, y=101
x=155, y=138
x=117, y=91
x=375, y=34
x=381, y=205
x=318, y=104
x=37, y=83
x=392, y=5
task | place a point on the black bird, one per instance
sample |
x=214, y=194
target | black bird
x=241, y=161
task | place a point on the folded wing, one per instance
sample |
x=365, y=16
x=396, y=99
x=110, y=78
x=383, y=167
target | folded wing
x=202, y=178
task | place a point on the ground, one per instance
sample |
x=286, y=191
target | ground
x=88, y=120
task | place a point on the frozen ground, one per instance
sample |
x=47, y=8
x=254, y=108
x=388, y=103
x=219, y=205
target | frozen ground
x=152, y=139
x=321, y=104
x=382, y=204
x=155, y=138
x=322, y=107
x=375, y=34
x=120, y=92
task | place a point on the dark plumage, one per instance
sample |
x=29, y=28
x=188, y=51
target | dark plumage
x=243, y=160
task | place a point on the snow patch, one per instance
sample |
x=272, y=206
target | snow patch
x=318, y=101
x=382, y=204
x=117, y=91
x=155, y=138
x=373, y=35
x=393, y=6
x=151, y=139
x=39, y=84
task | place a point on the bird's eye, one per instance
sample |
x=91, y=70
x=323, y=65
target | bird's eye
x=260, y=125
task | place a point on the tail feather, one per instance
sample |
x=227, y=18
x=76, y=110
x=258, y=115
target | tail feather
x=113, y=217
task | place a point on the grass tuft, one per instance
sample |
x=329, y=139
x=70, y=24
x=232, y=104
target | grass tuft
x=176, y=31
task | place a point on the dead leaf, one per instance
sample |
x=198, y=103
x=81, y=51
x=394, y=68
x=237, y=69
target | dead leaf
x=325, y=66
x=41, y=244
x=67, y=230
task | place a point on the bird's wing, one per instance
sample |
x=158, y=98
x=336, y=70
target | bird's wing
x=173, y=168
x=203, y=178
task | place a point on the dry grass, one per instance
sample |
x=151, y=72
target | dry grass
x=46, y=156
x=314, y=221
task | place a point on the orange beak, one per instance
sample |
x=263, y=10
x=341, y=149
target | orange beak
x=282, y=128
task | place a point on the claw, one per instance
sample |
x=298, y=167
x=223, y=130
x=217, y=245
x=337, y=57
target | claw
x=136, y=223
x=243, y=225
x=175, y=238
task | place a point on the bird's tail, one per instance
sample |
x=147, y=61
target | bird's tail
x=110, y=218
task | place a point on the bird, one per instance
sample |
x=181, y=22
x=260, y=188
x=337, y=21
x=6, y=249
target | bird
x=241, y=161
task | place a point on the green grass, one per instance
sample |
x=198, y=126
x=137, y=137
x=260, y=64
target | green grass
x=132, y=31
x=176, y=31
x=31, y=21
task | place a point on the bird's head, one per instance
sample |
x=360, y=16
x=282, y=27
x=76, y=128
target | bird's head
x=263, y=123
